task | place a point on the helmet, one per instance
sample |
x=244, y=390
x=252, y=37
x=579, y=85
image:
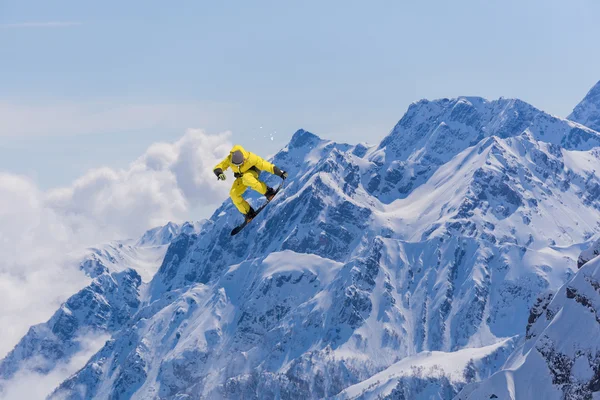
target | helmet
x=237, y=158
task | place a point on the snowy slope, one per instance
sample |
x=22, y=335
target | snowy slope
x=98, y=310
x=587, y=112
x=344, y=275
x=561, y=359
x=431, y=374
x=187, y=340
x=589, y=254
x=144, y=255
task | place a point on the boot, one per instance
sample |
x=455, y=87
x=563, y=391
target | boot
x=250, y=215
x=270, y=193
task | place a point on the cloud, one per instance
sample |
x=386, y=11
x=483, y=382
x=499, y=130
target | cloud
x=160, y=186
x=43, y=233
x=28, y=384
x=47, y=24
x=36, y=273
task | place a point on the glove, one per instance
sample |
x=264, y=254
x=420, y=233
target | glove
x=280, y=173
x=219, y=174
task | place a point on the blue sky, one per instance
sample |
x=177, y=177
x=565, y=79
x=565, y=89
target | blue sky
x=89, y=84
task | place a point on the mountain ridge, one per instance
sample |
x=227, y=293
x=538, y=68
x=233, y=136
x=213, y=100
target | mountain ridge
x=439, y=239
x=119, y=271
x=587, y=112
x=447, y=289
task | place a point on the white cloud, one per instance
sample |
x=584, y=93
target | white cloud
x=160, y=186
x=35, y=272
x=31, y=385
x=47, y=24
x=40, y=230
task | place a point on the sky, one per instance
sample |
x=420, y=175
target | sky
x=113, y=113
x=92, y=84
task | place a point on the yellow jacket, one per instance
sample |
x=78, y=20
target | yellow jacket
x=251, y=161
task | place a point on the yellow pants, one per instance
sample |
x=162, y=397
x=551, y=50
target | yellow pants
x=248, y=180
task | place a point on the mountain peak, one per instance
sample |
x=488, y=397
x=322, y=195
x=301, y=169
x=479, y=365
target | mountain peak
x=587, y=112
x=301, y=138
x=160, y=235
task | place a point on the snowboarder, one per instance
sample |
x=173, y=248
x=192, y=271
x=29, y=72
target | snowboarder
x=246, y=167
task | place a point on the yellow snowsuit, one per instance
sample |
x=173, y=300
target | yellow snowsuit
x=246, y=176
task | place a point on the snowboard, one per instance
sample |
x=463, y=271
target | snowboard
x=237, y=229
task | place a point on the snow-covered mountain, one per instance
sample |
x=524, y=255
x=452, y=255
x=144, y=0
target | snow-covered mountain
x=434, y=243
x=118, y=270
x=561, y=357
x=407, y=269
x=588, y=111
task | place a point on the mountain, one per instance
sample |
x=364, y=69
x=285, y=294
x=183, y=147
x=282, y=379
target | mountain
x=119, y=270
x=587, y=112
x=433, y=244
x=561, y=357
